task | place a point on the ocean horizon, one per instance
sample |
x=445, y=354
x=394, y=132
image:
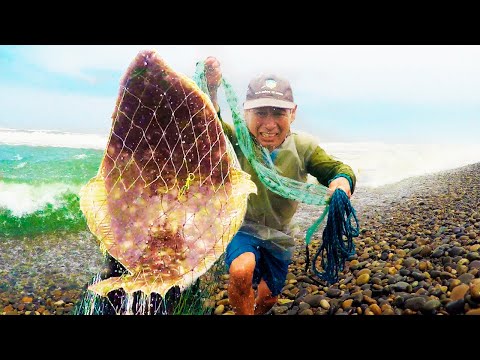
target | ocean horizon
x=42, y=171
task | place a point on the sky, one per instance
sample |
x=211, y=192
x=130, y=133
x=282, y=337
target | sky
x=398, y=94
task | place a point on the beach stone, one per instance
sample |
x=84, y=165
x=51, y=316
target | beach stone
x=404, y=272
x=466, y=278
x=456, y=250
x=475, y=291
x=357, y=298
x=279, y=310
x=453, y=283
x=324, y=304
x=301, y=294
x=364, y=271
x=415, y=303
x=426, y=251
x=293, y=310
x=471, y=303
x=313, y=300
x=447, y=275
x=333, y=292
x=223, y=302
x=459, y=292
x=399, y=301
x=422, y=266
x=431, y=306
x=475, y=247
x=303, y=306
x=306, y=312
x=455, y=307
x=347, y=303
x=418, y=276
x=474, y=264
x=409, y=262
x=369, y=300
x=402, y=286
x=290, y=276
x=363, y=279
x=375, y=309
x=438, y=252
x=220, y=309
x=472, y=256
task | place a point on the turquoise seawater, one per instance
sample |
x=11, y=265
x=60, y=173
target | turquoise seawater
x=39, y=188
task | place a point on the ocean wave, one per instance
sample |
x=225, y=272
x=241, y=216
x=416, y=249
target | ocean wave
x=52, y=139
x=64, y=215
x=23, y=199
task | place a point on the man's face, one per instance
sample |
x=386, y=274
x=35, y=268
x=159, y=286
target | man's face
x=270, y=125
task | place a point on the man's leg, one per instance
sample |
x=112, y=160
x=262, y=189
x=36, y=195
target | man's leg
x=264, y=300
x=240, y=291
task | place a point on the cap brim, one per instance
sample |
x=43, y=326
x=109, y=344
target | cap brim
x=256, y=103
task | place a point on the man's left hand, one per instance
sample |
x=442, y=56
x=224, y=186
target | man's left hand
x=341, y=183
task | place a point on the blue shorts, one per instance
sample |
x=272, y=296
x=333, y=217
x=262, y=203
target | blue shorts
x=270, y=263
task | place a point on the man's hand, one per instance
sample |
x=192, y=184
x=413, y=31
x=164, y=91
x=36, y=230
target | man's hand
x=341, y=183
x=213, y=76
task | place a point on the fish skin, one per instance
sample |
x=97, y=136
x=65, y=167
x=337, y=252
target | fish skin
x=169, y=195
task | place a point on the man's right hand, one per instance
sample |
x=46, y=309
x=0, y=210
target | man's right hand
x=213, y=76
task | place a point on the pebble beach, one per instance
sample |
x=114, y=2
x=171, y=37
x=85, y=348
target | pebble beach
x=418, y=253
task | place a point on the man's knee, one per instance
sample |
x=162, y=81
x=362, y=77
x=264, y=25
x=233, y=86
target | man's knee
x=241, y=269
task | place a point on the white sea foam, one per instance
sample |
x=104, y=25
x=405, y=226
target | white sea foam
x=52, y=139
x=22, y=199
x=377, y=164
x=81, y=156
x=21, y=165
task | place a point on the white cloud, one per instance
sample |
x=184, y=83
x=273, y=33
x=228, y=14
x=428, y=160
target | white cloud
x=390, y=73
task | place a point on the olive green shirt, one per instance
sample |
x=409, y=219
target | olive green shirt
x=269, y=215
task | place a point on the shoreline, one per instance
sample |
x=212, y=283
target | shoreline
x=417, y=253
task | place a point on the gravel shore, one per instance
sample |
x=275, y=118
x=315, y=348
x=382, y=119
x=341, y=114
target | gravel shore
x=418, y=252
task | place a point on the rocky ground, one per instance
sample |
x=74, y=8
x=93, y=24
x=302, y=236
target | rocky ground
x=418, y=252
x=45, y=275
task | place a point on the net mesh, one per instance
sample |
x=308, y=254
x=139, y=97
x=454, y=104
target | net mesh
x=169, y=194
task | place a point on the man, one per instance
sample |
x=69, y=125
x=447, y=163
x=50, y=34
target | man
x=259, y=254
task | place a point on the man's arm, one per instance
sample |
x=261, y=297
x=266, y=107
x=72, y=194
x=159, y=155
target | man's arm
x=213, y=76
x=329, y=172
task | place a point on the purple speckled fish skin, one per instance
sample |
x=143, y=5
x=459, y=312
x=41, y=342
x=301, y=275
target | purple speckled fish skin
x=168, y=196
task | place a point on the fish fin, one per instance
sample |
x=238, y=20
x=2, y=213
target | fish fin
x=242, y=185
x=93, y=203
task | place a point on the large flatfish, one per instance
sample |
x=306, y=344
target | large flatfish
x=169, y=194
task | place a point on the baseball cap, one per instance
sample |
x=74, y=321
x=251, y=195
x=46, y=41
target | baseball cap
x=269, y=90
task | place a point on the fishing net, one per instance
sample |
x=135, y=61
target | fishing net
x=168, y=197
